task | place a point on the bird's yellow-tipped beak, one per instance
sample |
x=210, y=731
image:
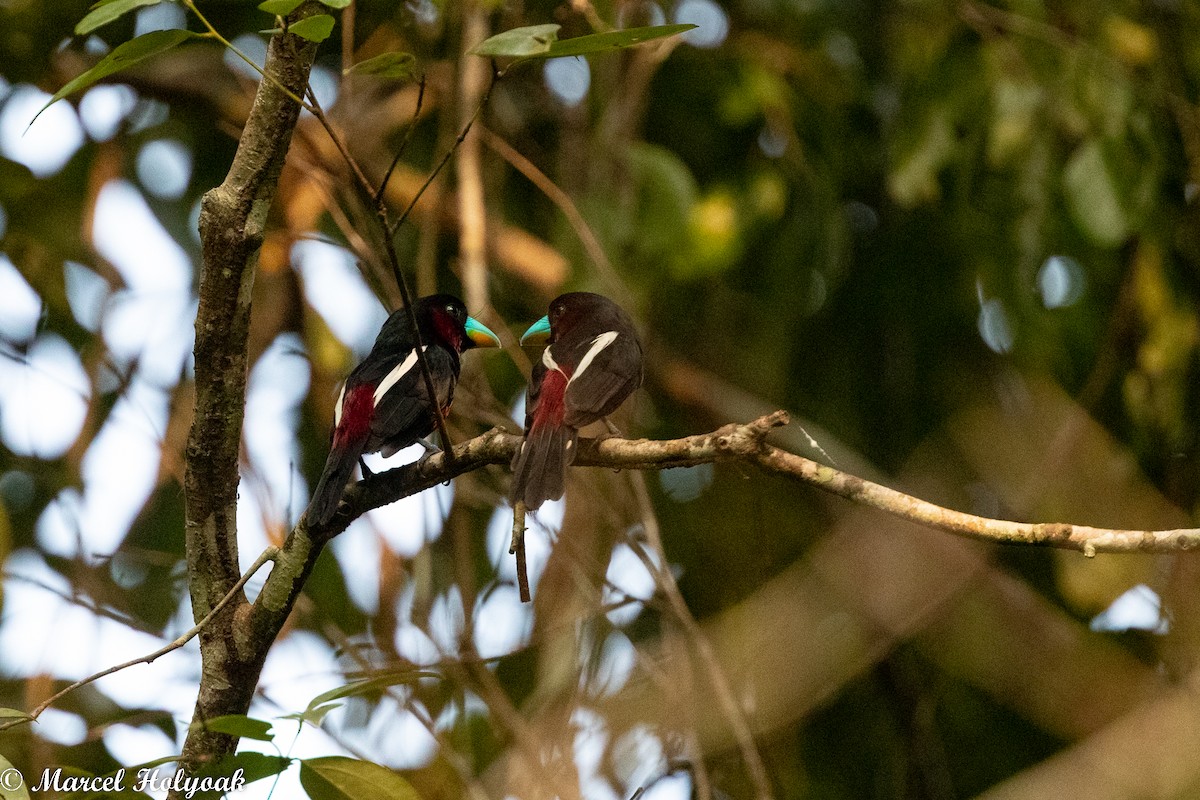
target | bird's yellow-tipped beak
x=538, y=333
x=479, y=333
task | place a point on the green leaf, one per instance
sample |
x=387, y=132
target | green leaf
x=541, y=41
x=519, y=42
x=123, y=57
x=611, y=40
x=387, y=65
x=313, y=715
x=240, y=725
x=12, y=783
x=254, y=766
x=280, y=8
x=666, y=192
x=12, y=713
x=106, y=11
x=371, y=685
x=1093, y=196
x=341, y=778
x=930, y=146
x=335, y=3
x=315, y=29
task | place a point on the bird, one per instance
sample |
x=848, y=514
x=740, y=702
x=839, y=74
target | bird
x=384, y=404
x=592, y=363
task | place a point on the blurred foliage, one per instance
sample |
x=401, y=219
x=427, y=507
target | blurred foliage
x=961, y=237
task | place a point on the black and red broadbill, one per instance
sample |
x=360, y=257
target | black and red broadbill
x=593, y=361
x=384, y=405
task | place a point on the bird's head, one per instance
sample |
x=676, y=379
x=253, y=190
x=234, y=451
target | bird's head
x=444, y=317
x=569, y=311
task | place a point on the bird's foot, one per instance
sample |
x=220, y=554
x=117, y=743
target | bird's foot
x=366, y=471
x=430, y=449
x=613, y=430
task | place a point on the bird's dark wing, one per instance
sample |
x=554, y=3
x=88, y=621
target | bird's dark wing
x=605, y=373
x=533, y=393
x=403, y=412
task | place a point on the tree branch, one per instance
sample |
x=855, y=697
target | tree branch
x=232, y=222
x=745, y=443
x=266, y=555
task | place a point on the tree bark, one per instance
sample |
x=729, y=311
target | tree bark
x=232, y=220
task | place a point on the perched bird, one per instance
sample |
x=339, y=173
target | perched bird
x=384, y=405
x=593, y=362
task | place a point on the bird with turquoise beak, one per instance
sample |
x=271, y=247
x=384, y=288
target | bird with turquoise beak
x=591, y=364
x=384, y=405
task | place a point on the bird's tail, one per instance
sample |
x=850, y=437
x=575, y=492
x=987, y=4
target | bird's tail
x=540, y=465
x=339, y=468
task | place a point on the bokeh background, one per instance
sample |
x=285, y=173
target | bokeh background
x=956, y=240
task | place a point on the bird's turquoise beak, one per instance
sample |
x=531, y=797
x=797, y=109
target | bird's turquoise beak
x=479, y=333
x=538, y=333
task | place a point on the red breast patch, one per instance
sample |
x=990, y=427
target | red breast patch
x=357, y=407
x=551, y=400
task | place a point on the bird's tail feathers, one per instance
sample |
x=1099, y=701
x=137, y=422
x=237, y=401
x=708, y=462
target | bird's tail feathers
x=339, y=468
x=540, y=465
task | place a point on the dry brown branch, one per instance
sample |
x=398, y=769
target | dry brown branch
x=700, y=645
x=472, y=240
x=1149, y=752
x=746, y=443
x=266, y=555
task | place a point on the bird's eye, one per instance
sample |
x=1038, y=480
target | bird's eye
x=450, y=310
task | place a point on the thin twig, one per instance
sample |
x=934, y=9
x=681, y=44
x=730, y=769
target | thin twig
x=381, y=214
x=269, y=554
x=315, y=107
x=445, y=748
x=517, y=547
x=744, y=443
x=445, y=158
x=696, y=638
x=408, y=133
x=553, y=193
x=215, y=34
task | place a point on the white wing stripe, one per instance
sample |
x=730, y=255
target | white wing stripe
x=337, y=409
x=598, y=344
x=396, y=374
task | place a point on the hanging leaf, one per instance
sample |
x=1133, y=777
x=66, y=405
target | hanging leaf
x=106, y=11
x=241, y=725
x=123, y=57
x=387, y=65
x=611, y=40
x=1093, y=195
x=371, y=685
x=254, y=766
x=541, y=41
x=341, y=778
x=519, y=42
x=280, y=8
x=335, y=3
x=313, y=715
x=315, y=29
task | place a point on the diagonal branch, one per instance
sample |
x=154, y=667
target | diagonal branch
x=266, y=555
x=233, y=219
x=745, y=443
